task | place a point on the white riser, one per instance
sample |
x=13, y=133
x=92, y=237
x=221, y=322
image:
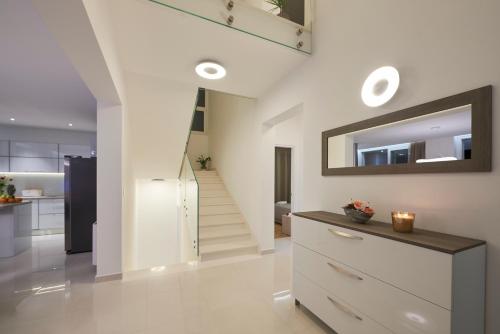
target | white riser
x=209, y=180
x=218, y=210
x=224, y=231
x=217, y=251
x=221, y=220
x=223, y=240
x=210, y=173
x=213, y=193
x=215, y=201
x=212, y=186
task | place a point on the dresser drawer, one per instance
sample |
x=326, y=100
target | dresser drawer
x=336, y=313
x=400, y=311
x=420, y=271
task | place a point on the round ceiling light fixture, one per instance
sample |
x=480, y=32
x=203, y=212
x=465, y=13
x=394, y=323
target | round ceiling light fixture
x=380, y=86
x=210, y=70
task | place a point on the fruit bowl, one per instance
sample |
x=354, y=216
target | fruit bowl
x=359, y=212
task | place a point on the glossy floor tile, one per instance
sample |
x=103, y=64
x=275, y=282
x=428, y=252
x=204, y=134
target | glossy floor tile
x=45, y=291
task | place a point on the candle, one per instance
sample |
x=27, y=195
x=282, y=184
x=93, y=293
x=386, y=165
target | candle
x=403, y=221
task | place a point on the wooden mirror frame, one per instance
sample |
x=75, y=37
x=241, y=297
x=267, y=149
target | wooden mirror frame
x=481, y=105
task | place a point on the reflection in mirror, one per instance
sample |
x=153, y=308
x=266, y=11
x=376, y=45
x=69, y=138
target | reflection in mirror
x=440, y=136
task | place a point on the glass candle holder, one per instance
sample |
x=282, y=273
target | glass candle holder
x=403, y=221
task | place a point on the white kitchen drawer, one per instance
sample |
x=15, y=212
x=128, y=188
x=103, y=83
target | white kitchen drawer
x=51, y=221
x=420, y=271
x=395, y=309
x=51, y=206
x=334, y=311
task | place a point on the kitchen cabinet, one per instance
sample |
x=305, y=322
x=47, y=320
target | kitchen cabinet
x=34, y=214
x=50, y=221
x=33, y=150
x=4, y=148
x=48, y=213
x=79, y=150
x=43, y=165
x=4, y=164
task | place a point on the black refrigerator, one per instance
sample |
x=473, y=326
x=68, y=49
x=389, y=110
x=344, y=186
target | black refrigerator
x=80, y=178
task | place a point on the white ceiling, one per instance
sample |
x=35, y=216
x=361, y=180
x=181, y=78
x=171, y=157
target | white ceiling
x=38, y=85
x=159, y=41
x=447, y=123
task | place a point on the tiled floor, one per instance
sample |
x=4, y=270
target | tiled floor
x=45, y=291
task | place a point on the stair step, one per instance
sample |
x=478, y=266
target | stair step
x=209, y=180
x=205, y=173
x=213, y=193
x=212, y=186
x=218, y=210
x=207, y=201
x=217, y=220
x=228, y=249
x=224, y=233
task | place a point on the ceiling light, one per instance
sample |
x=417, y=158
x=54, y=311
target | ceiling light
x=380, y=86
x=210, y=70
x=12, y=119
x=70, y=124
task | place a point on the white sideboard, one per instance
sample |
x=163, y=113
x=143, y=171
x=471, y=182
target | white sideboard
x=369, y=279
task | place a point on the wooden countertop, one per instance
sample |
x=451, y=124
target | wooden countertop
x=8, y=205
x=440, y=242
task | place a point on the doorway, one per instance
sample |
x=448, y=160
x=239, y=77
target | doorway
x=282, y=191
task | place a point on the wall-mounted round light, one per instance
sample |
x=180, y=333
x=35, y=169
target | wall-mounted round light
x=380, y=86
x=210, y=70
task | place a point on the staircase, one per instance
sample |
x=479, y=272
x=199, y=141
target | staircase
x=223, y=230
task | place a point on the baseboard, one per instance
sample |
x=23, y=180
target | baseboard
x=267, y=251
x=107, y=278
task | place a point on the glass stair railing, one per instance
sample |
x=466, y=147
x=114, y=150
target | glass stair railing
x=189, y=198
x=285, y=22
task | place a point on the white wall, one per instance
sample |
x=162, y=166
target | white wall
x=109, y=190
x=156, y=223
x=157, y=124
x=437, y=55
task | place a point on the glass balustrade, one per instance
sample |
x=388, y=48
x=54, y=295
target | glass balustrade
x=189, y=201
x=285, y=22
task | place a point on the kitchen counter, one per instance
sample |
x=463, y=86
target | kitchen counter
x=15, y=228
x=43, y=197
x=9, y=205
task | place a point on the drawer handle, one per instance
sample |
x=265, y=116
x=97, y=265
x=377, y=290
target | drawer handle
x=345, y=235
x=344, y=309
x=345, y=272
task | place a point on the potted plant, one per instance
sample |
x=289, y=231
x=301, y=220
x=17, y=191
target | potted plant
x=203, y=161
x=11, y=193
x=279, y=4
x=3, y=183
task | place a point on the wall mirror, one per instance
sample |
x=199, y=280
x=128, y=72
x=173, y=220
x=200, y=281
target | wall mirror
x=452, y=134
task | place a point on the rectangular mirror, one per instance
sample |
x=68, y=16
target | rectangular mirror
x=447, y=135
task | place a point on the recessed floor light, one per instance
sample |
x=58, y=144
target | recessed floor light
x=210, y=70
